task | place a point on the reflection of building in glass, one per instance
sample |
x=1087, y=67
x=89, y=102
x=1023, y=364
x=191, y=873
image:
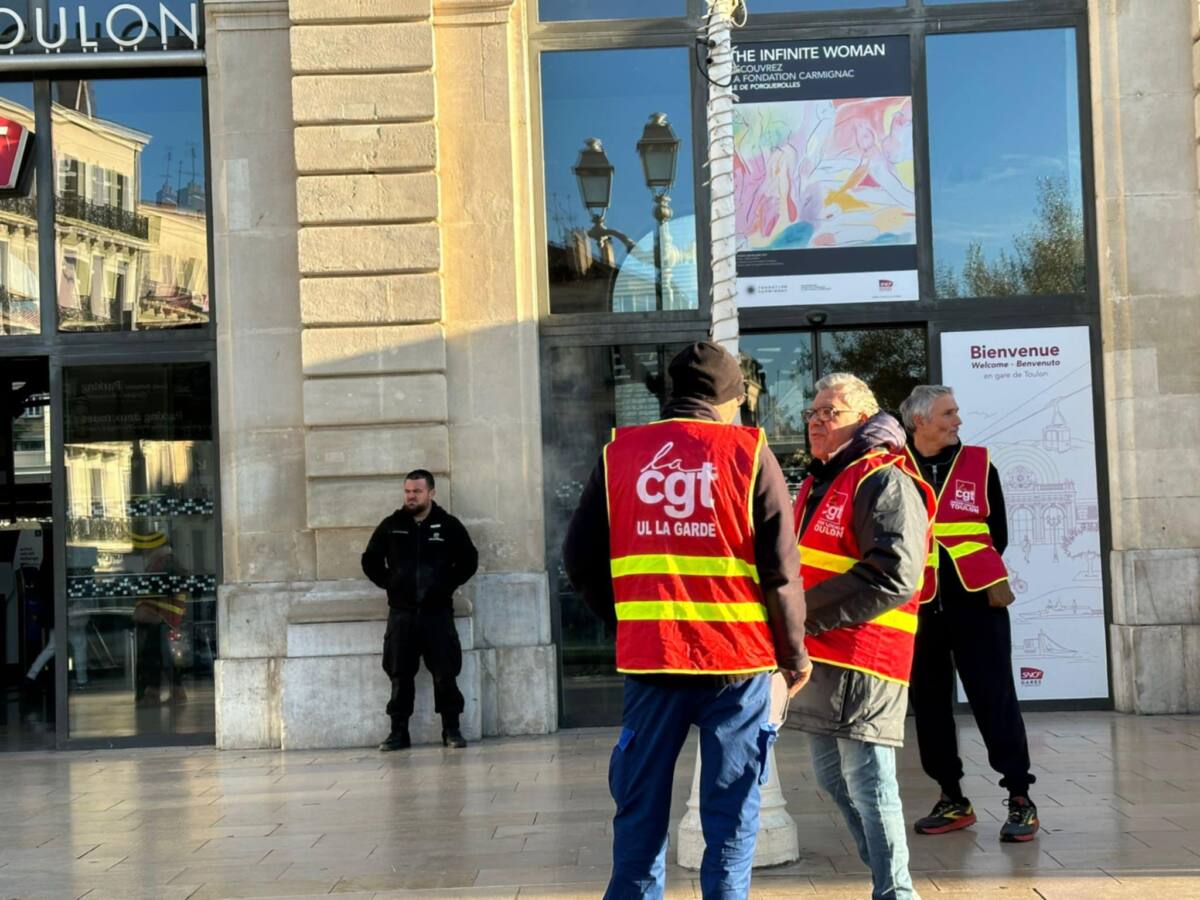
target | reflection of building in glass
x=123, y=262
x=19, y=311
x=106, y=507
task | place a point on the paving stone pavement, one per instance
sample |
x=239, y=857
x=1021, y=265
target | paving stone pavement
x=1119, y=798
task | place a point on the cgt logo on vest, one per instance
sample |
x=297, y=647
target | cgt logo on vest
x=964, y=496
x=1031, y=676
x=666, y=481
x=830, y=520
x=14, y=144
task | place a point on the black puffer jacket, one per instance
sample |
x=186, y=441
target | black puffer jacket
x=420, y=565
x=890, y=525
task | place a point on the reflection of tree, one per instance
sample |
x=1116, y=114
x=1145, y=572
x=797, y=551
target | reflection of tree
x=890, y=360
x=1047, y=258
x=1085, y=544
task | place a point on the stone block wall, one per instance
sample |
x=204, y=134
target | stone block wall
x=1146, y=115
x=400, y=332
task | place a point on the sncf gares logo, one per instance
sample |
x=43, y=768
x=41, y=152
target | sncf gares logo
x=886, y=284
x=1032, y=676
x=14, y=144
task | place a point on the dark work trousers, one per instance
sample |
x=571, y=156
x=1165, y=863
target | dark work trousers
x=975, y=639
x=735, y=738
x=411, y=637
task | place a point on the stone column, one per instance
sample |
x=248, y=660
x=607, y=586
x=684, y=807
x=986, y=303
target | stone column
x=266, y=538
x=492, y=348
x=394, y=336
x=1145, y=74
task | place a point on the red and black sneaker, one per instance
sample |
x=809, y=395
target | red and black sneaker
x=1022, y=822
x=947, y=815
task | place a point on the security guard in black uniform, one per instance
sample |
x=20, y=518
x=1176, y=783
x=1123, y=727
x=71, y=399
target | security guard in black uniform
x=421, y=555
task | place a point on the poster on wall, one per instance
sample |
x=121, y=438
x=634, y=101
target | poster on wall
x=1026, y=395
x=823, y=172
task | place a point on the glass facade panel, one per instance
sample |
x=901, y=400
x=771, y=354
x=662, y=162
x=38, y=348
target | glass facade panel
x=567, y=10
x=781, y=369
x=131, y=204
x=765, y=6
x=20, y=312
x=606, y=258
x=591, y=390
x=1006, y=179
x=141, y=549
x=891, y=360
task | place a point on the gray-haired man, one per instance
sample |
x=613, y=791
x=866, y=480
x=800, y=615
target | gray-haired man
x=965, y=624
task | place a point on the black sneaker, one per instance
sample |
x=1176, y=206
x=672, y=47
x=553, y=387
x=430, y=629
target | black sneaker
x=1022, y=822
x=452, y=737
x=397, y=740
x=947, y=815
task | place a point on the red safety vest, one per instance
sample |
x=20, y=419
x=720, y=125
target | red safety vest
x=882, y=647
x=681, y=541
x=960, y=524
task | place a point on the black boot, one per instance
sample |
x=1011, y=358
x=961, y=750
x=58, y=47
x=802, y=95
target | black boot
x=451, y=736
x=398, y=739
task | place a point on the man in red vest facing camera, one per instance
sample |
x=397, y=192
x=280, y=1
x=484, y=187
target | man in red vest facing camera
x=683, y=541
x=863, y=516
x=964, y=621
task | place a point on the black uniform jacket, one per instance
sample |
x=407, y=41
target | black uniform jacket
x=586, y=548
x=890, y=526
x=420, y=565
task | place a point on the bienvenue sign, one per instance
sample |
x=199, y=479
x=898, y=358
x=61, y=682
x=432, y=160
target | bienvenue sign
x=127, y=25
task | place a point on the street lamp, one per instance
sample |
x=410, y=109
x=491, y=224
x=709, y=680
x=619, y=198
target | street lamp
x=595, y=176
x=659, y=152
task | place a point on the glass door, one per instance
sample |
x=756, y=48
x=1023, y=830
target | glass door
x=27, y=614
x=781, y=368
x=140, y=549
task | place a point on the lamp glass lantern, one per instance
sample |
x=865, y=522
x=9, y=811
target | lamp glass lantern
x=659, y=152
x=595, y=176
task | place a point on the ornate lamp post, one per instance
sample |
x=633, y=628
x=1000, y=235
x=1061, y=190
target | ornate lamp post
x=659, y=152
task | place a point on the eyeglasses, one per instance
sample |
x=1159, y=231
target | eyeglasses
x=822, y=414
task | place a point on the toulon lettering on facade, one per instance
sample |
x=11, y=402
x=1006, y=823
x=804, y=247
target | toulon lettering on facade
x=51, y=28
x=665, y=480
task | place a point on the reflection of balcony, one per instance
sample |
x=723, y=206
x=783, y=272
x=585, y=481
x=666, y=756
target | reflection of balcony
x=22, y=206
x=111, y=217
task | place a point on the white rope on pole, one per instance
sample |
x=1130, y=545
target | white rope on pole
x=718, y=32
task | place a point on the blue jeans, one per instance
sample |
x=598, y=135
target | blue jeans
x=734, y=740
x=861, y=778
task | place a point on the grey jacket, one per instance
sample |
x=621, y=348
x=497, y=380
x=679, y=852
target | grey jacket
x=890, y=525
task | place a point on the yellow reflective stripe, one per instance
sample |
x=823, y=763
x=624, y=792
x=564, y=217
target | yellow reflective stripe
x=865, y=671
x=758, y=446
x=932, y=559
x=689, y=611
x=753, y=671
x=830, y=562
x=955, y=529
x=965, y=548
x=898, y=619
x=669, y=564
